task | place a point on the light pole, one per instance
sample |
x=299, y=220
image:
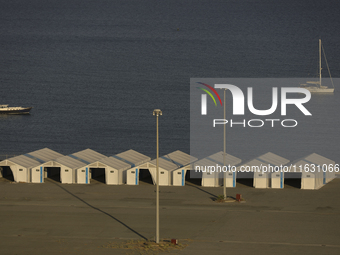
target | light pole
x=157, y=112
x=224, y=150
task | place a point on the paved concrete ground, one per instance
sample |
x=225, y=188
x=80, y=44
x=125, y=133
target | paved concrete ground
x=54, y=218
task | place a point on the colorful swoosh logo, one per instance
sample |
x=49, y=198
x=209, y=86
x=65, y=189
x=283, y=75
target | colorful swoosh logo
x=209, y=93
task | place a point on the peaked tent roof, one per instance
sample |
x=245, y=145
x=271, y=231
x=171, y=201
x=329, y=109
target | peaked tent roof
x=174, y=160
x=87, y=156
x=132, y=157
x=70, y=162
x=268, y=158
x=44, y=155
x=217, y=158
x=24, y=161
x=315, y=159
x=114, y=163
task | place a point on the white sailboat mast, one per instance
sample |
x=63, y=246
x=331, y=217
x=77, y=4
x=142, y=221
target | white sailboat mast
x=320, y=60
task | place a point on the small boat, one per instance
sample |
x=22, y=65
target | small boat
x=316, y=86
x=4, y=109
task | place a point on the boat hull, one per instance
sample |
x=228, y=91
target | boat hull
x=320, y=90
x=16, y=111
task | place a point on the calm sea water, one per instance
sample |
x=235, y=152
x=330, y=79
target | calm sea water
x=94, y=70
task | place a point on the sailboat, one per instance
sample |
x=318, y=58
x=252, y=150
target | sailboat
x=316, y=86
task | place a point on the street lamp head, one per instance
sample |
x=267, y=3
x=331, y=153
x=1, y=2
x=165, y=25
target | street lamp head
x=157, y=112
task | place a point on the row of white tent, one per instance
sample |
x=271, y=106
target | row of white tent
x=266, y=171
x=79, y=167
x=124, y=168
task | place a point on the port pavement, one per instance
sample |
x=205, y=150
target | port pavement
x=54, y=218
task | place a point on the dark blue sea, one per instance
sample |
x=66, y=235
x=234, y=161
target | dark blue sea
x=94, y=70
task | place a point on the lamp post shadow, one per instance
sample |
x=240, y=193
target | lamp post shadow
x=99, y=210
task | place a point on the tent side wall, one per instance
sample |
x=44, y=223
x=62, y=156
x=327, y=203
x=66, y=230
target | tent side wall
x=37, y=174
x=307, y=181
x=164, y=176
x=261, y=180
x=314, y=180
x=152, y=171
x=14, y=170
x=330, y=175
x=82, y=175
x=113, y=176
x=178, y=177
x=277, y=180
x=121, y=175
x=20, y=173
x=23, y=174
x=230, y=177
x=320, y=179
x=210, y=179
x=67, y=175
x=132, y=176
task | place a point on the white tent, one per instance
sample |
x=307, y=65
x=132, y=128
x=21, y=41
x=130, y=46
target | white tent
x=89, y=156
x=170, y=165
x=66, y=166
x=135, y=160
x=213, y=170
x=31, y=166
x=316, y=171
x=178, y=175
x=113, y=170
x=262, y=167
x=21, y=167
x=40, y=172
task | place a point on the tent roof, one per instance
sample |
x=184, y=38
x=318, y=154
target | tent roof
x=114, y=163
x=70, y=162
x=174, y=160
x=35, y=158
x=87, y=156
x=24, y=161
x=132, y=157
x=44, y=155
x=268, y=158
x=217, y=158
x=313, y=158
